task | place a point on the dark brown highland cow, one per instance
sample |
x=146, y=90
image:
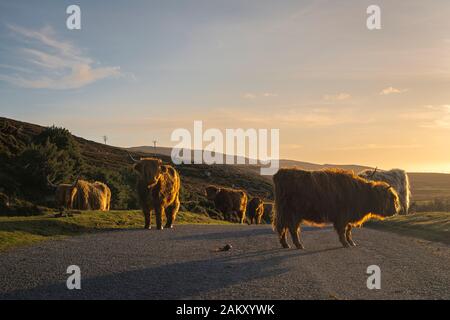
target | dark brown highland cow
x=255, y=210
x=158, y=189
x=329, y=196
x=230, y=202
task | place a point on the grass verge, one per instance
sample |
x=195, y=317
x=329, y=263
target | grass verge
x=17, y=231
x=432, y=226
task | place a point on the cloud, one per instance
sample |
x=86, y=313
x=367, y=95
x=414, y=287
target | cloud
x=249, y=96
x=252, y=96
x=289, y=117
x=52, y=63
x=337, y=97
x=374, y=146
x=392, y=90
x=431, y=116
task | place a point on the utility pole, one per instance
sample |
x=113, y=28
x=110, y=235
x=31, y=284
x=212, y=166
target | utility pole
x=154, y=145
x=105, y=139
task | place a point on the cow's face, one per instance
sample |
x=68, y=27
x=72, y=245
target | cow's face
x=149, y=171
x=211, y=192
x=392, y=201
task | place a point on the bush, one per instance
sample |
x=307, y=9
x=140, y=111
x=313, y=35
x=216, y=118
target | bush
x=123, y=195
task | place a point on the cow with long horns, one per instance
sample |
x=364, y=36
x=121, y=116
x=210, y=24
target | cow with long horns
x=158, y=189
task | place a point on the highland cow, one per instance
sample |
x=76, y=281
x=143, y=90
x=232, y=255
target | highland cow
x=91, y=196
x=231, y=202
x=83, y=195
x=329, y=196
x=64, y=195
x=158, y=189
x=398, y=179
x=255, y=210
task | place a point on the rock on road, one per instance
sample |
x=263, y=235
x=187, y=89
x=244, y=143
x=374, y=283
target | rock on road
x=184, y=264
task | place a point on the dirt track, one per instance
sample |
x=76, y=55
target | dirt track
x=183, y=264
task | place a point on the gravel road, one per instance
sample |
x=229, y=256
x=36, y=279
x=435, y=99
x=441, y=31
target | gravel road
x=184, y=264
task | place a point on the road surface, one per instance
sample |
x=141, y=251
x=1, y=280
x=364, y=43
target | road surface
x=184, y=264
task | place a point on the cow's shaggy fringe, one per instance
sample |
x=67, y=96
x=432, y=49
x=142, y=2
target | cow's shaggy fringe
x=329, y=196
x=158, y=189
x=398, y=179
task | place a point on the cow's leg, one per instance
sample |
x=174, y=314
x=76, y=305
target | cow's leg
x=146, y=210
x=259, y=219
x=295, y=235
x=159, y=211
x=341, y=233
x=348, y=235
x=171, y=213
x=283, y=238
x=242, y=216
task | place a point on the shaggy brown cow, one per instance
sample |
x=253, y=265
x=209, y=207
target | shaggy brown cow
x=91, y=196
x=83, y=195
x=158, y=189
x=329, y=196
x=255, y=210
x=230, y=202
x=64, y=195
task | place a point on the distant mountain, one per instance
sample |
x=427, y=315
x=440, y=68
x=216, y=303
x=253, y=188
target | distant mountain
x=166, y=151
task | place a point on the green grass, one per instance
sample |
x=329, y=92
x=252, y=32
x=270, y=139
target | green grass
x=17, y=231
x=433, y=226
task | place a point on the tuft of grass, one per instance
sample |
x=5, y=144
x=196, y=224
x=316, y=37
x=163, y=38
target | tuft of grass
x=432, y=226
x=18, y=231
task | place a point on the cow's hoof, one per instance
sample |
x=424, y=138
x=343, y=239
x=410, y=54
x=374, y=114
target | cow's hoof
x=160, y=228
x=168, y=226
x=147, y=228
x=300, y=247
x=352, y=243
x=285, y=246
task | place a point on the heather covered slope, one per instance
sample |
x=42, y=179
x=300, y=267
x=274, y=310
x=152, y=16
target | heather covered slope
x=114, y=166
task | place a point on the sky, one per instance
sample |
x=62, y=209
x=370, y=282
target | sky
x=338, y=92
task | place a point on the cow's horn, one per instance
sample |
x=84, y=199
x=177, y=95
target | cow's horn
x=373, y=173
x=76, y=180
x=50, y=183
x=131, y=157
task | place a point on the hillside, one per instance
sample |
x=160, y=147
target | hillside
x=16, y=135
x=283, y=162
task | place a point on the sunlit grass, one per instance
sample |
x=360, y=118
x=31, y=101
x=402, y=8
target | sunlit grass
x=433, y=226
x=16, y=231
